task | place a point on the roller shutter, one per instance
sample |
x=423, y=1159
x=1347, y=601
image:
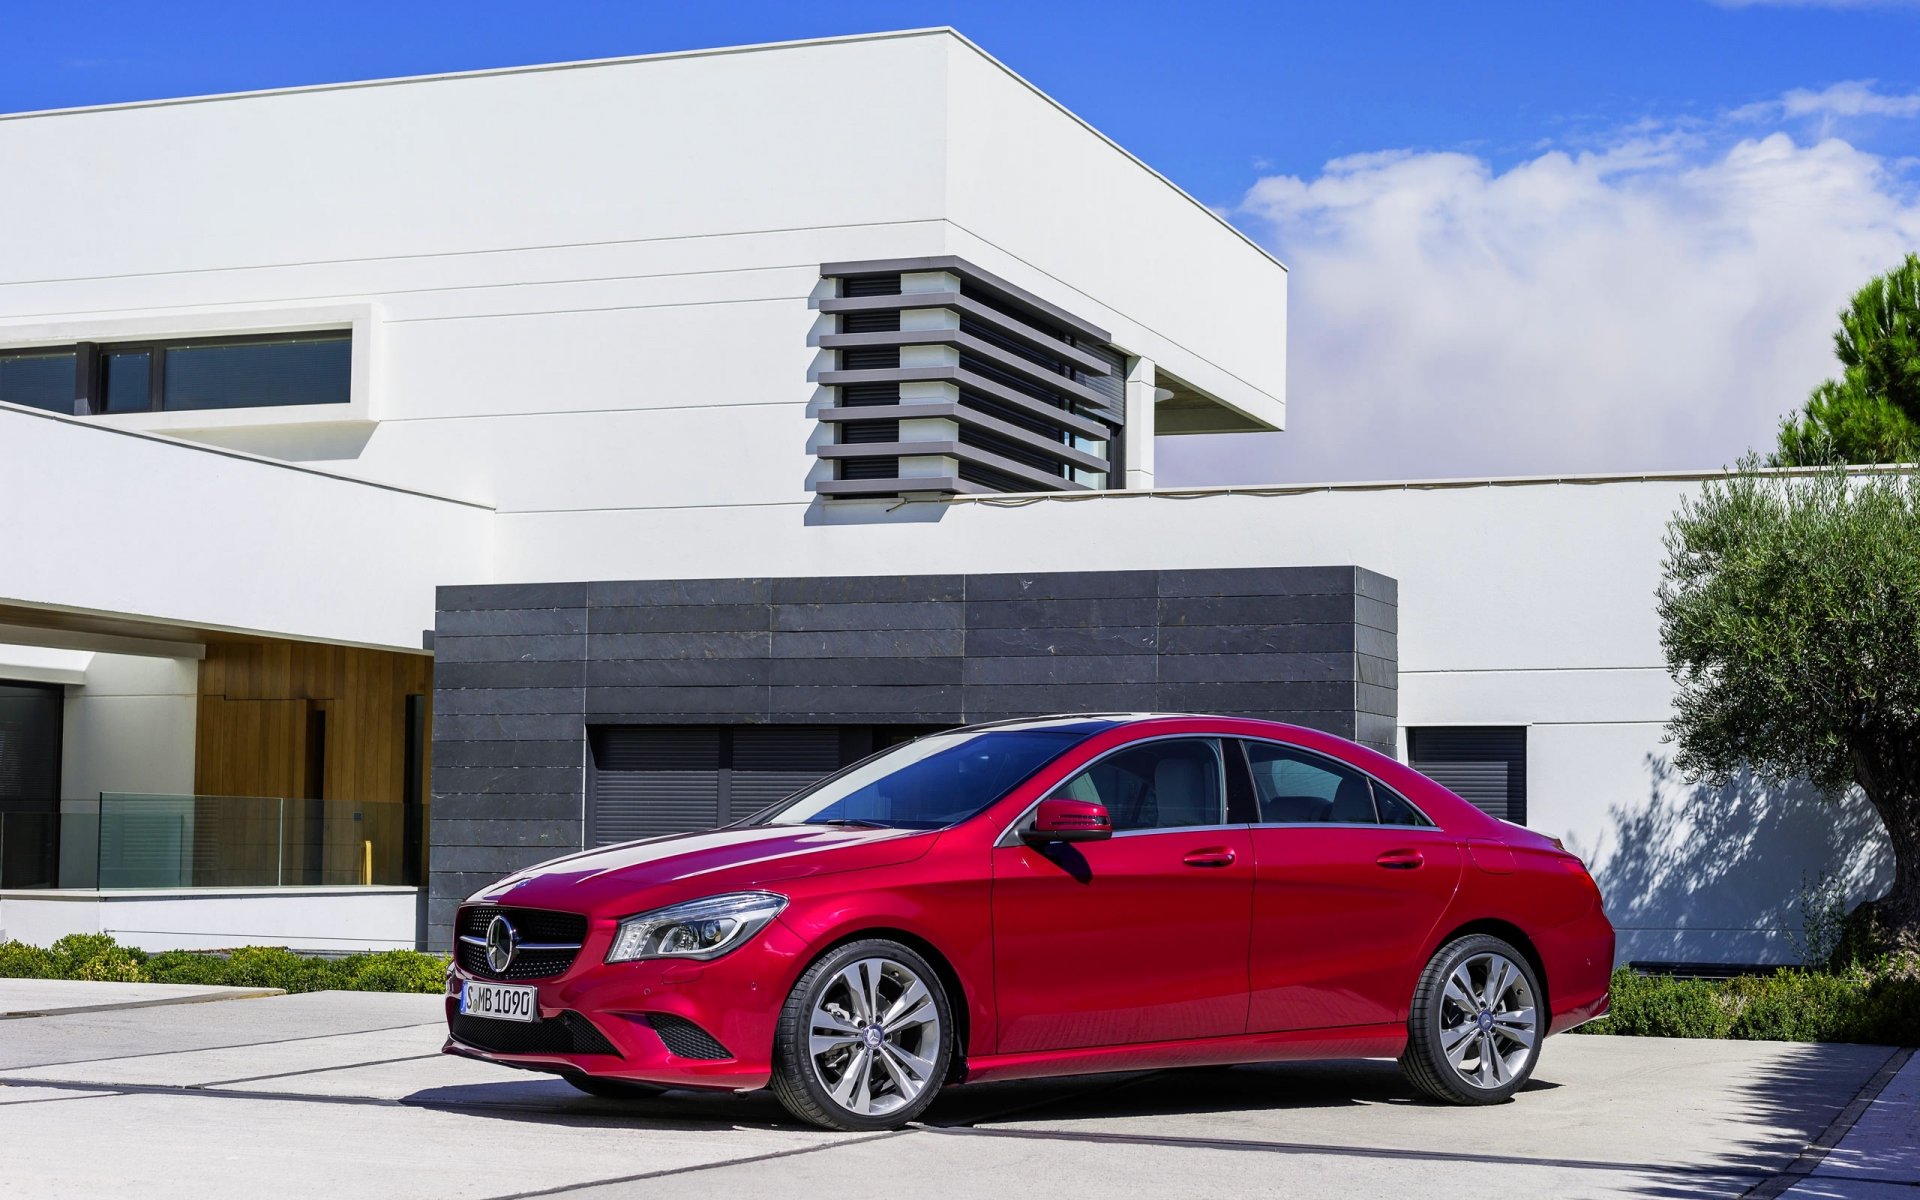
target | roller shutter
x=659, y=779
x=1483, y=765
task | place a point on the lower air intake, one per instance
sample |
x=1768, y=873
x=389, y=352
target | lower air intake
x=684, y=1039
x=568, y=1033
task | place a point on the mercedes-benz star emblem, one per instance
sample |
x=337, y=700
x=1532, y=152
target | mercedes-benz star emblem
x=502, y=943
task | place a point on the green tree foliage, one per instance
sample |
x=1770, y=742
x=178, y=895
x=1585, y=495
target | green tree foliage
x=1790, y=617
x=1871, y=414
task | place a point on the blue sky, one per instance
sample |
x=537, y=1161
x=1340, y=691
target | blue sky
x=1526, y=237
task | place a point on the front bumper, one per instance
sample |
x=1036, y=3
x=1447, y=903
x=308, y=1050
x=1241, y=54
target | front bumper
x=734, y=999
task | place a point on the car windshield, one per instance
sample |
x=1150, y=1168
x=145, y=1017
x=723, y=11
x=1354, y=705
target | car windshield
x=928, y=783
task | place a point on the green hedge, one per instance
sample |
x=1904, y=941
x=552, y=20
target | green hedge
x=98, y=956
x=1878, y=1004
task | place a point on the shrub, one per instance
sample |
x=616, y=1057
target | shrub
x=274, y=967
x=1879, y=1004
x=187, y=966
x=1655, y=1006
x=395, y=971
x=21, y=961
x=96, y=956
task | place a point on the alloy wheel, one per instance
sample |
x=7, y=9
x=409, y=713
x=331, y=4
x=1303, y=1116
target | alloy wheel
x=874, y=1037
x=1488, y=1021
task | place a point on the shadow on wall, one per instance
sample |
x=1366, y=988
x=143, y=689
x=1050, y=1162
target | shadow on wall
x=1702, y=874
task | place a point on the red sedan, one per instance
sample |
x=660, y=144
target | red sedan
x=1045, y=897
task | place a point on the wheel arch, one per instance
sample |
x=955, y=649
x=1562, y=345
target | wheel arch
x=957, y=1000
x=1515, y=936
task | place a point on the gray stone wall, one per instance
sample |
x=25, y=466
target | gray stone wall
x=523, y=669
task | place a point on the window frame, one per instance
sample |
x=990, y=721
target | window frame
x=1009, y=836
x=90, y=376
x=362, y=321
x=1374, y=785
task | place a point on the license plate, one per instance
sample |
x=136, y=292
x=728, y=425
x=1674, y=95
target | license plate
x=500, y=1002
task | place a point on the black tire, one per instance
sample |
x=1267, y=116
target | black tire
x=613, y=1089
x=1438, y=1021
x=797, y=1080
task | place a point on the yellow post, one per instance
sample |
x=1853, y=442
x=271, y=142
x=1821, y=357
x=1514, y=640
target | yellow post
x=366, y=862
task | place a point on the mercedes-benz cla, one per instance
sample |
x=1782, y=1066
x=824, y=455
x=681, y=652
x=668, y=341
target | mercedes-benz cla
x=1044, y=897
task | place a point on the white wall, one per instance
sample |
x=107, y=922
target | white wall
x=591, y=285
x=130, y=727
x=336, y=919
x=182, y=534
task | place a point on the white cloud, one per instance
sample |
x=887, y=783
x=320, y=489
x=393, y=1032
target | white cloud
x=1658, y=302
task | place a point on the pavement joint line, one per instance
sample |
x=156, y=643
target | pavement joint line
x=1332, y=1150
x=309, y=1037
x=544, y=1115
x=1817, y=1150
x=158, y=1002
x=695, y=1168
x=1868, y=1180
x=372, y=1062
x=55, y=1099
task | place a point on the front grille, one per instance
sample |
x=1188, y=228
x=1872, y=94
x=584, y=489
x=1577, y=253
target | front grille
x=568, y=1033
x=684, y=1039
x=533, y=925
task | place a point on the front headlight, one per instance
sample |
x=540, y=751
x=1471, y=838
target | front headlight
x=701, y=929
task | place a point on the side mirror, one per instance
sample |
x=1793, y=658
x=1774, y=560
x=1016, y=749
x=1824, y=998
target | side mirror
x=1059, y=819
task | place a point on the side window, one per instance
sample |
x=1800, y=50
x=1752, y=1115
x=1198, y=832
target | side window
x=1157, y=785
x=1296, y=788
x=1394, y=809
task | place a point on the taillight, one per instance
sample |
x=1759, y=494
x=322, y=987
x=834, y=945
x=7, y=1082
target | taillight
x=1573, y=866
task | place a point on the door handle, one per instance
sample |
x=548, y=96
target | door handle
x=1401, y=860
x=1218, y=856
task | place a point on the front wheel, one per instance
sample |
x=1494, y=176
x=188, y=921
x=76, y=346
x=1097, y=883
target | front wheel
x=864, y=1039
x=1474, y=1031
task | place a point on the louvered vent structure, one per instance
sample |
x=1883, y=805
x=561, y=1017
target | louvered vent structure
x=949, y=379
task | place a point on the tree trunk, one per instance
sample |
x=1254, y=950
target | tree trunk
x=1898, y=912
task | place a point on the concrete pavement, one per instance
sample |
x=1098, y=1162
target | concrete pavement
x=50, y=997
x=338, y=1093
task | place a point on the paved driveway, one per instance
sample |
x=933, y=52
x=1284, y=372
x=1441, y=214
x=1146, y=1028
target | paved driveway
x=345, y=1095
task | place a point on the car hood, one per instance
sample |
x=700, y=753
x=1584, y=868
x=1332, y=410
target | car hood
x=698, y=864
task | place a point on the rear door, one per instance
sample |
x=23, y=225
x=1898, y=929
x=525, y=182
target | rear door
x=1139, y=938
x=1349, y=883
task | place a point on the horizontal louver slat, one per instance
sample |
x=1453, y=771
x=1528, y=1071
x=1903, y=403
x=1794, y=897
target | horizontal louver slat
x=1485, y=766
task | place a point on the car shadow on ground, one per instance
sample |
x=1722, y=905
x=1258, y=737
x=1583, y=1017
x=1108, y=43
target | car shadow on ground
x=1197, y=1090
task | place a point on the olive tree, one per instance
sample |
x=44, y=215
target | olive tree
x=1790, y=617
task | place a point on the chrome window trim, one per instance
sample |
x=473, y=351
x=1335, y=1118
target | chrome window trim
x=1372, y=781
x=1219, y=757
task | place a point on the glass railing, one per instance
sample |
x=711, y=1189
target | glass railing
x=149, y=841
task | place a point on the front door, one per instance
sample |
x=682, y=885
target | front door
x=1350, y=882
x=1139, y=938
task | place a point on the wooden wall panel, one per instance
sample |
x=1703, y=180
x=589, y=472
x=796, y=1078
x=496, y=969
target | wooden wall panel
x=256, y=698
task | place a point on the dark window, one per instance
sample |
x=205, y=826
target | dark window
x=1157, y=785
x=271, y=371
x=258, y=374
x=38, y=379
x=1484, y=765
x=126, y=381
x=1297, y=787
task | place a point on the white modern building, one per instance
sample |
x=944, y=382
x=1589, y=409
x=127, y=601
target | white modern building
x=438, y=474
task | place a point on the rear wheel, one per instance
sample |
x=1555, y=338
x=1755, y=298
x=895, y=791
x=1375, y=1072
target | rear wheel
x=613, y=1089
x=1474, y=1031
x=864, y=1039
